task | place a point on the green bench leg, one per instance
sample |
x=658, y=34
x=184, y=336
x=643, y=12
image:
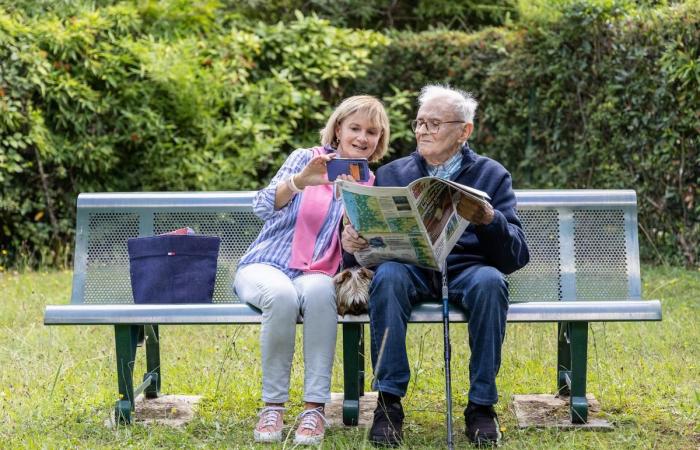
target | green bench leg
x=572, y=354
x=563, y=359
x=579, y=356
x=353, y=371
x=126, y=338
x=152, y=361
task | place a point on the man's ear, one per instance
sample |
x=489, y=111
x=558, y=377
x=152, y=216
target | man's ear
x=466, y=132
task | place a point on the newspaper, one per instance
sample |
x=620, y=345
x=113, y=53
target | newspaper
x=417, y=224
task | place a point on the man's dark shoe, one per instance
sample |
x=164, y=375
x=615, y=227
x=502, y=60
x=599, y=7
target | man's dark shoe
x=387, y=425
x=482, y=424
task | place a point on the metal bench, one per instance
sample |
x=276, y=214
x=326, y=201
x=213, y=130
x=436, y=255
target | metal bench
x=584, y=267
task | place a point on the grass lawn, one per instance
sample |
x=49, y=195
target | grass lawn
x=58, y=384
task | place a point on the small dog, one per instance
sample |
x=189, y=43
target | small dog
x=352, y=290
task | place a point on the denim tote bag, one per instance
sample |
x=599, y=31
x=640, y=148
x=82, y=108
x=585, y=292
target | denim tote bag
x=173, y=268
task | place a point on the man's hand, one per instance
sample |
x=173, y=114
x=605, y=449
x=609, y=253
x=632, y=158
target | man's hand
x=351, y=240
x=475, y=212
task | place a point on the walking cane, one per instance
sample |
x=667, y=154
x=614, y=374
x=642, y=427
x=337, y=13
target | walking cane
x=448, y=375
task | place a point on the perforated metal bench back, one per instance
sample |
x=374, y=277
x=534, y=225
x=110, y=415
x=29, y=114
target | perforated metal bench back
x=583, y=244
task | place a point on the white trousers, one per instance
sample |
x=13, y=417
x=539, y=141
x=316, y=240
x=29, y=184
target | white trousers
x=281, y=300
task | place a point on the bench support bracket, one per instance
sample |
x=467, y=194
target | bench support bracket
x=563, y=359
x=579, y=356
x=152, y=361
x=353, y=371
x=126, y=338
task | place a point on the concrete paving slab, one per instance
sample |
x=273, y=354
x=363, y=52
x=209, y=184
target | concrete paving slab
x=550, y=411
x=170, y=410
x=334, y=410
x=178, y=410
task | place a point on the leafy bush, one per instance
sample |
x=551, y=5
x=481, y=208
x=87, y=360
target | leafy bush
x=140, y=97
x=413, y=15
x=601, y=97
x=176, y=95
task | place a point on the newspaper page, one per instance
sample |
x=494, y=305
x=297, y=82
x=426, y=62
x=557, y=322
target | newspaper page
x=417, y=224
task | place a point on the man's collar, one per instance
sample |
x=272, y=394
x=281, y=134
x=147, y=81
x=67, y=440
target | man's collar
x=446, y=169
x=468, y=155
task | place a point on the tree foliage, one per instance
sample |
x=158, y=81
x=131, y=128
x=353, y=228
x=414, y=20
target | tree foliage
x=179, y=95
x=113, y=99
x=415, y=15
x=603, y=96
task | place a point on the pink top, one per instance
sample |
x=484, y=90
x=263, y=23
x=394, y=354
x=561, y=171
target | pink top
x=312, y=212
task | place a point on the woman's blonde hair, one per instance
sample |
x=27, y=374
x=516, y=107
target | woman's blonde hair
x=364, y=104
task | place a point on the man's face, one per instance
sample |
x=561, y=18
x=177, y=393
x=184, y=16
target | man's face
x=438, y=147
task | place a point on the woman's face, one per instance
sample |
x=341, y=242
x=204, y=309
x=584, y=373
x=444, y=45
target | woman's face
x=358, y=136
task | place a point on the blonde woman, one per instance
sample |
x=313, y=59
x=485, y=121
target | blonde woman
x=288, y=270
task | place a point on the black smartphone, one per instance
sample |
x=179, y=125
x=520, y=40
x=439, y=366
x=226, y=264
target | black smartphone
x=355, y=167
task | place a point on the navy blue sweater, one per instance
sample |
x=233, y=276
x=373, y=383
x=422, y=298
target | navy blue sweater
x=501, y=243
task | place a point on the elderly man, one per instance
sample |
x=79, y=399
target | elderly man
x=491, y=246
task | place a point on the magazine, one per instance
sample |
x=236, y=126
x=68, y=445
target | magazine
x=417, y=224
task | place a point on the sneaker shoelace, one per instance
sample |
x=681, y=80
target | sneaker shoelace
x=269, y=415
x=309, y=418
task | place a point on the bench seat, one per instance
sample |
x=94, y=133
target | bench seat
x=238, y=313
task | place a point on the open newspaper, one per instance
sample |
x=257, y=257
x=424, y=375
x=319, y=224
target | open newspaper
x=417, y=224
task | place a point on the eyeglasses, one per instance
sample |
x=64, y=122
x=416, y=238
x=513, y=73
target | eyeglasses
x=433, y=125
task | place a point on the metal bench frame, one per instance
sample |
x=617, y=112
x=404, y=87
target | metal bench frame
x=584, y=268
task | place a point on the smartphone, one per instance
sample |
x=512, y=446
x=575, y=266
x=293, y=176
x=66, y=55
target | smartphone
x=355, y=167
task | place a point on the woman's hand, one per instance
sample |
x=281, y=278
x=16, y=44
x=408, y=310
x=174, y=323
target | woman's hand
x=343, y=177
x=351, y=241
x=346, y=177
x=314, y=173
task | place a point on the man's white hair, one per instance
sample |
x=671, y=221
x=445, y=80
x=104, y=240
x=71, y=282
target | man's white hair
x=463, y=102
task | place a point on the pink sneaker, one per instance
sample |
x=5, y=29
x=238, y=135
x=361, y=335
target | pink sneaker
x=269, y=427
x=312, y=427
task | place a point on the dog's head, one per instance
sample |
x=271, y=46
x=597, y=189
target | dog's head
x=352, y=290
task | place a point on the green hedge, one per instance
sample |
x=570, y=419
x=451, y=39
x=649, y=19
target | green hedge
x=188, y=96
x=151, y=97
x=601, y=98
x=416, y=15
